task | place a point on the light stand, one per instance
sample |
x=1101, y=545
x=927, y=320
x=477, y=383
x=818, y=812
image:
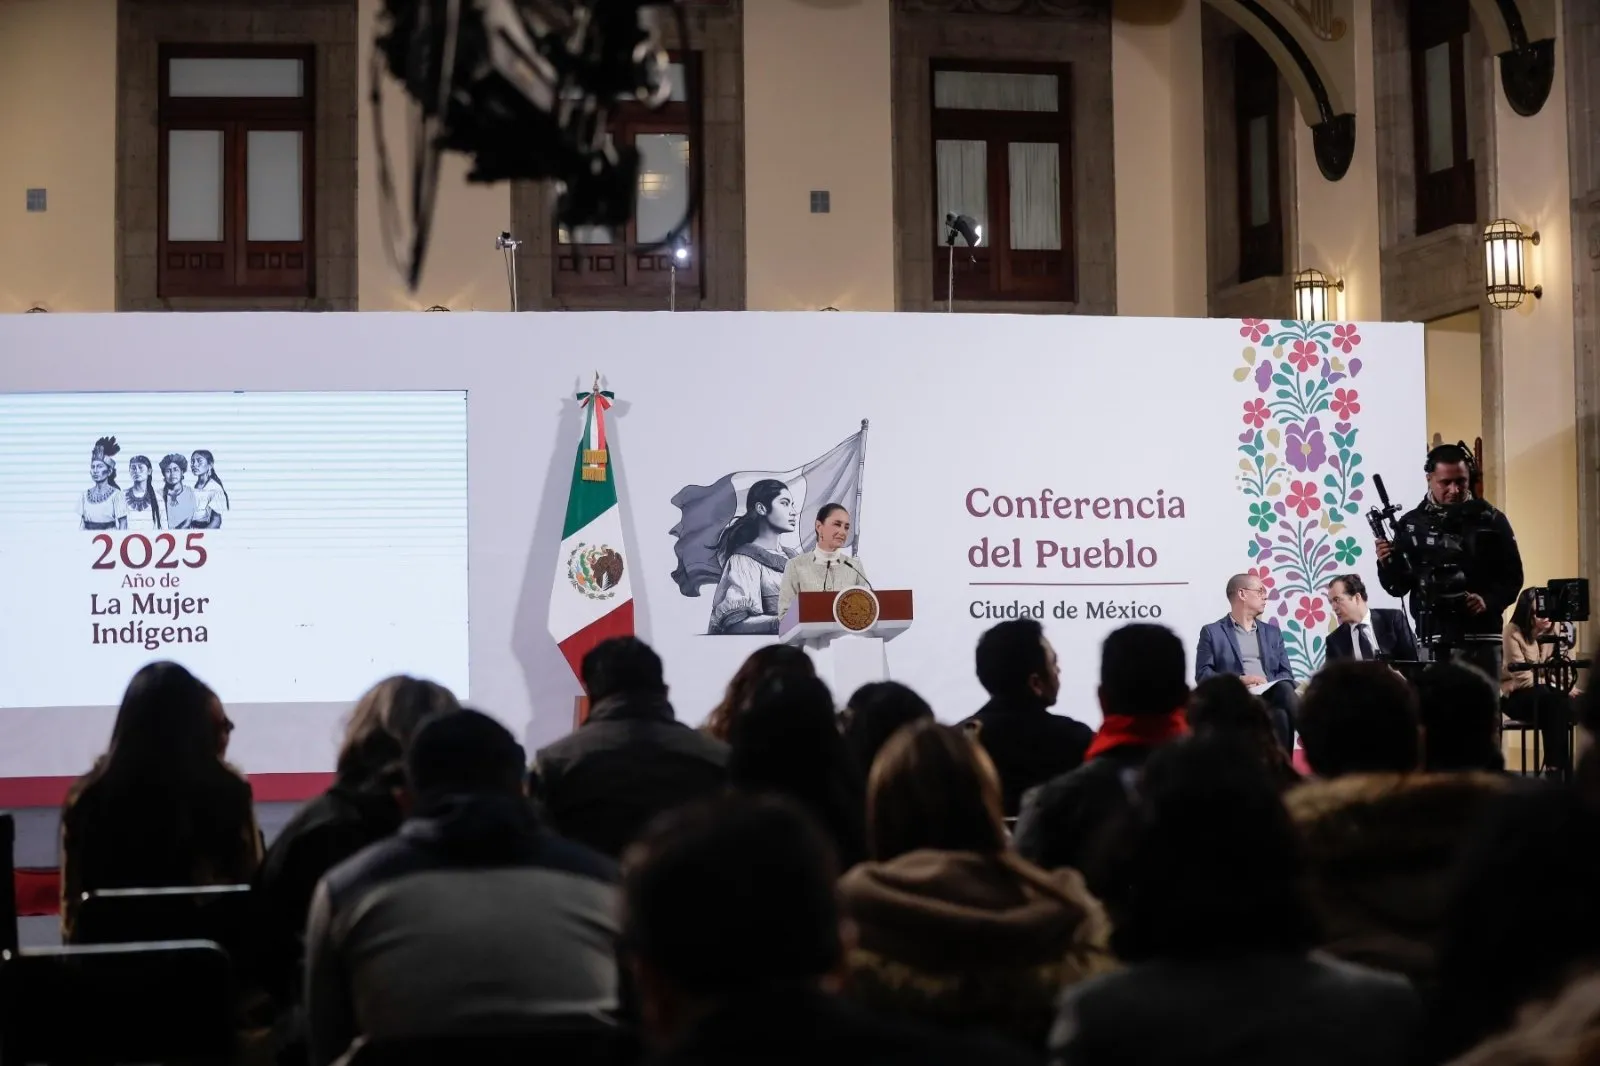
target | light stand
x=680, y=254
x=965, y=227
x=508, y=245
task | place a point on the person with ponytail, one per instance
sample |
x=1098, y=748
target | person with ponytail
x=144, y=507
x=955, y=928
x=753, y=560
x=210, y=497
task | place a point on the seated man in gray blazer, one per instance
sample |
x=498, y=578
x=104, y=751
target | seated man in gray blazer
x=1239, y=643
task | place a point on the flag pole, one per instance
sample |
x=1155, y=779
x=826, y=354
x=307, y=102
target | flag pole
x=861, y=472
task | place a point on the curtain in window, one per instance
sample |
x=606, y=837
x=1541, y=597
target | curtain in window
x=963, y=182
x=1035, y=196
x=971, y=90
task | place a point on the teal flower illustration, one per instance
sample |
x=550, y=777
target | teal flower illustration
x=1346, y=551
x=1262, y=518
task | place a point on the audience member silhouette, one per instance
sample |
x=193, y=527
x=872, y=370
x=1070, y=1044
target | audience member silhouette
x=472, y=918
x=874, y=714
x=954, y=927
x=1143, y=690
x=767, y=661
x=631, y=759
x=788, y=742
x=360, y=808
x=733, y=939
x=1027, y=744
x=1217, y=935
x=1222, y=705
x=161, y=807
x=1381, y=837
x=1460, y=712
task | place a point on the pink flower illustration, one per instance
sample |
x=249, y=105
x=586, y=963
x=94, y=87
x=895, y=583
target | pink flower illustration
x=1256, y=413
x=1253, y=329
x=1310, y=612
x=1302, y=498
x=1345, y=403
x=1264, y=575
x=1304, y=355
x=1345, y=338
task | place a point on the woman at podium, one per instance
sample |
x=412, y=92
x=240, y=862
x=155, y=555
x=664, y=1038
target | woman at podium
x=827, y=568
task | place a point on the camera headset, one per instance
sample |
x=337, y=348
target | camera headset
x=1451, y=454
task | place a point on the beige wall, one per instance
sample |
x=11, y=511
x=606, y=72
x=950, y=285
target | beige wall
x=462, y=270
x=1538, y=409
x=1454, y=348
x=1160, y=158
x=58, y=93
x=1338, y=221
x=816, y=105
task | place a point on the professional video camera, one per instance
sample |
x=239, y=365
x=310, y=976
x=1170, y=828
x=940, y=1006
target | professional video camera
x=1563, y=600
x=1439, y=554
x=526, y=88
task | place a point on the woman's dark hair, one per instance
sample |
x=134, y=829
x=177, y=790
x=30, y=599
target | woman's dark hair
x=744, y=529
x=382, y=724
x=211, y=474
x=151, y=497
x=768, y=661
x=1214, y=868
x=1523, y=617
x=827, y=511
x=787, y=743
x=1222, y=706
x=873, y=715
x=933, y=787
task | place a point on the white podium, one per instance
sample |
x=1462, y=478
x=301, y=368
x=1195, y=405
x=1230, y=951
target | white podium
x=844, y=632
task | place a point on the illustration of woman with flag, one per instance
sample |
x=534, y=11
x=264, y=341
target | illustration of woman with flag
x=753, y=560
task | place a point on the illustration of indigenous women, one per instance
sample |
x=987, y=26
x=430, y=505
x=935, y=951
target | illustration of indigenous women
x=144, y=508
x=102, y=505
x=746, y=599
x=210, y=498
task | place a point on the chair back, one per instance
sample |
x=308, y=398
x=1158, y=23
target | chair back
x=8, y=884
x=218, y=913
x=559, y=1040
x=104, y=1004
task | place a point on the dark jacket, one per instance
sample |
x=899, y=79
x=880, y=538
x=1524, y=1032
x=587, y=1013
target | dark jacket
x=968, y=941
x=1494, y=571
x=1027, y=744
x=322, y=834
x=1071, y=820
x=472, y=918
x=1395, y=640
x=1218, y=651
x=155, y=835
x=794, y=1025
x=631, y=760
x=1382, y=851
x=1264, y=1010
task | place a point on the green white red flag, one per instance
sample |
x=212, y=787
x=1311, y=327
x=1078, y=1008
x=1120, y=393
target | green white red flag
x=592, y=598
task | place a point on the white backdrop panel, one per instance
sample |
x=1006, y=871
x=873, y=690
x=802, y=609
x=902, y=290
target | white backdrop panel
x=963, y=411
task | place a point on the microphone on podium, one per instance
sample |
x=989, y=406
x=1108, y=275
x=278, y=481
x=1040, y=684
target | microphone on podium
x=859, y=574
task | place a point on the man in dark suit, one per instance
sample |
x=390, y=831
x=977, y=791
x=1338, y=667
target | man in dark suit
x=1239, y=643
x=1367, y=632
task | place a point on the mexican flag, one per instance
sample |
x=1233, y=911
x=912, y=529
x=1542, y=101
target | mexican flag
x=591, y=599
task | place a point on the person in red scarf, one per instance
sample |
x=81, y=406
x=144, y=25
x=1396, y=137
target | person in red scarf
x=1143, y=690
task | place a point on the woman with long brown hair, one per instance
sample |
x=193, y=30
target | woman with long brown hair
x=360, y=808
x=768, y=661
x=955, y=927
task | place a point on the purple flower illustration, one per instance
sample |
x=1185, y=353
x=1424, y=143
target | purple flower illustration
x=1264, y=375
x=1304, y=446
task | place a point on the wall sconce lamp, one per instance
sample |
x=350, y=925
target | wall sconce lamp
x=1313, y=296
x=37, y=309
x=1505, y=269
x=436, y=307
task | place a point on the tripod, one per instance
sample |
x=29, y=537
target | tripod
x=1557, y=674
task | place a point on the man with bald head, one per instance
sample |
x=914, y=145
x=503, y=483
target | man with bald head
x=1240, y=643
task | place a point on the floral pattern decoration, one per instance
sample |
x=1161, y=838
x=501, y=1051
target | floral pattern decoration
x=1299, y=470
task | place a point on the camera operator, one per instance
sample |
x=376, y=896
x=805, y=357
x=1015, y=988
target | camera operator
x=1453, y=532
x=1529, y=699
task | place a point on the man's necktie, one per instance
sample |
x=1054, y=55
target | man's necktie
x=1366, y=645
